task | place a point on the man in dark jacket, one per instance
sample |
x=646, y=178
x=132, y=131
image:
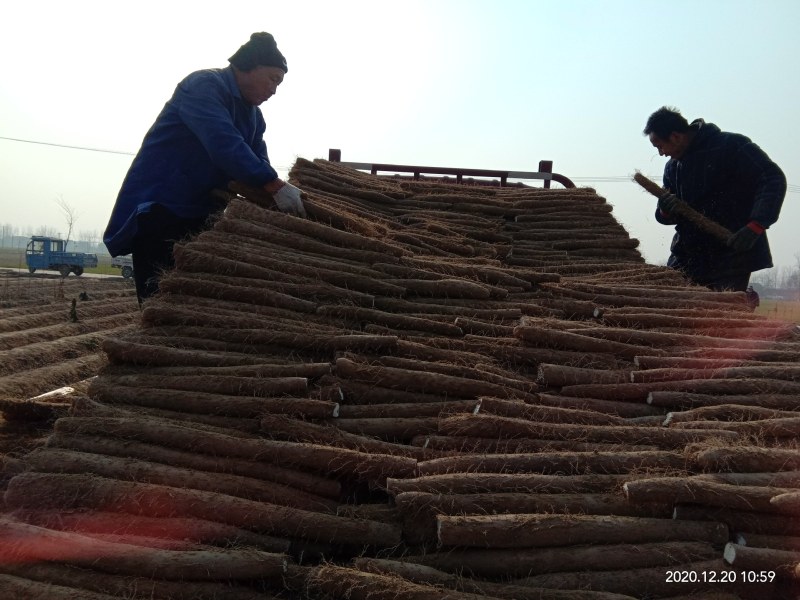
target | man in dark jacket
x=209, y=133
x=730, y=180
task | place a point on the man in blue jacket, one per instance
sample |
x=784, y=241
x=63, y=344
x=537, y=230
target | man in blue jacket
x=209, y=133
x=730, y=180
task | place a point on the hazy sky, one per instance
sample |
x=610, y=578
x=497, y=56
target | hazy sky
x=493, y=84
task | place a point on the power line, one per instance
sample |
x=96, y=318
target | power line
x=2, y=137
x=790, y=188
x=793, y=189
x=612, y=178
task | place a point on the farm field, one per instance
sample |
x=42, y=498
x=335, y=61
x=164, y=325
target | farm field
x=783, y=310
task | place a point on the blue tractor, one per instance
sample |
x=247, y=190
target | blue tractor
x=48, y=253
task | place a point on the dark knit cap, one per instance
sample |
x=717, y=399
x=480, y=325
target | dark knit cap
x=260, y=51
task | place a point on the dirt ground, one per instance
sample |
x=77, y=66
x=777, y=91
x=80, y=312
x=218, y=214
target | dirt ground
x=24, y=289
x=34, y=299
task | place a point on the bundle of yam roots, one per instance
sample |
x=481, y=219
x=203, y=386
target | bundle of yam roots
x=422, y=390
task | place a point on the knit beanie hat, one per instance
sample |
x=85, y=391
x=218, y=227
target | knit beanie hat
x=260, y=50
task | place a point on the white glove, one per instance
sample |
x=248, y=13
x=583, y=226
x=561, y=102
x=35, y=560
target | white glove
x=288, y=200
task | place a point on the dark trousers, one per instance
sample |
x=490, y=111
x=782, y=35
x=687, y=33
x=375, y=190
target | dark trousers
x=157, y=232
x=737, y=282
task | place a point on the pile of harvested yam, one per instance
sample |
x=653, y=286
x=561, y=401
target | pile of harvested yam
x=421, y=391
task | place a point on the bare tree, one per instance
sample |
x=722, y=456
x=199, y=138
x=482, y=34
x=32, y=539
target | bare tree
x=6, y=233
x=46, y=231
x=767, y=278
x=70, y=215
x=91, y=237
x=791, y=276
x=796, y=273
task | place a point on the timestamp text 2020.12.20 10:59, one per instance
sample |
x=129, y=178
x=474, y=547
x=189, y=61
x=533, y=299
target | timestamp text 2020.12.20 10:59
x=720, y=576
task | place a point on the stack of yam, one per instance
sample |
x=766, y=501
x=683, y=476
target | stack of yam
x=421, y=391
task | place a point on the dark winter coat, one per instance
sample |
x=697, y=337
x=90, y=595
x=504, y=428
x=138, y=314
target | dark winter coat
x=730, y=180
x=205, y=136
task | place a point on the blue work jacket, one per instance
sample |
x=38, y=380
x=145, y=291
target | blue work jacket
x=730, y=180
x=205, y=136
